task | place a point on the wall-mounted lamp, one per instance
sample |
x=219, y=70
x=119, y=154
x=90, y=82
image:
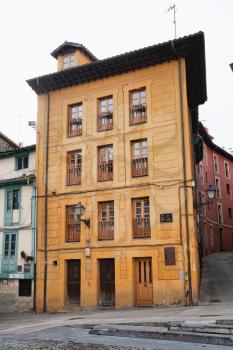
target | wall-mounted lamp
x=211, y=191
x=80, y=210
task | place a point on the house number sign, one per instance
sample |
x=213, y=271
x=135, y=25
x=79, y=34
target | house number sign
x=166, y=217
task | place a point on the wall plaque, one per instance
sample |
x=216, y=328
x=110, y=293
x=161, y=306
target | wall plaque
x=166, y=217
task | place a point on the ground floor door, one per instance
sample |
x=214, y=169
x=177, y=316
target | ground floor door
x=143, y=281
x=73, y=281
x=107, y=282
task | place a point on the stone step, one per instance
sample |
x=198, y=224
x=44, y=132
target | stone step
x=203, y=328
x=163, y=333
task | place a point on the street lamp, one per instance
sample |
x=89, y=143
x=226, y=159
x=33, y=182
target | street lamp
x=80, y=210
x=211, y=192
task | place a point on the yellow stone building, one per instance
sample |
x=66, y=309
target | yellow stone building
x=115, y=176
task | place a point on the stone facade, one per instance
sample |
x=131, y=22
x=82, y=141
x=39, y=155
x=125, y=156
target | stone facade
x=163, y=186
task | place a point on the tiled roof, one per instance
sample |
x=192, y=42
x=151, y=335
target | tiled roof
x=208, y=141
x=68, y=46
x=17, y=151
x=191, y=47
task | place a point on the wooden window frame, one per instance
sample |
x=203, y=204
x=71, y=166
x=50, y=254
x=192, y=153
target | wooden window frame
x=215, y=161
x=141, y=220
x=71, y=122
x=221, y=212
x=23, y=166
x=69, y=63
x=105, y=227
x=139, y=165
x=104, y=115
x=73, y=227
x=169, y=256
x=226, y=173
x=73, y=173
x=218, y=188
x=105, y=169
x=141, y=116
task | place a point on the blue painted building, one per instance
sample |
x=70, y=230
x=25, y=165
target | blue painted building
x=17, y=228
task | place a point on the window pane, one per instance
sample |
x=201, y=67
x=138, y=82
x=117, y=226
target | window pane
x=15, y=199
x=9, y=200
x=13, y=245
x=19, y=163
x=6, y=248
x=25, y=162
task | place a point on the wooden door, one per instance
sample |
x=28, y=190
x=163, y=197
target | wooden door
x=143, y=281
x=73, y=281
x=107, y=282
x=221, y=240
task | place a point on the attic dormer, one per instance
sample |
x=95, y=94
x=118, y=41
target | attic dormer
x=71, y=54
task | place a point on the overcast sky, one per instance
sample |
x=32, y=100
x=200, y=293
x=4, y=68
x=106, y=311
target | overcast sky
x=31, y=29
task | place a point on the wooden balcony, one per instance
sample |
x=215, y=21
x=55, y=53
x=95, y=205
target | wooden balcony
x=141, y=228
x=106, y=230
x=75, y=127
x=105, y=171
x=74, y=175
x=105, y=121
x=140, y=167
x=73, y=233
x=138, y=115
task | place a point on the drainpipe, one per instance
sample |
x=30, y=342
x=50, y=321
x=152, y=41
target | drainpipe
x=46, y=204
x=185, y=175
x=33, y=222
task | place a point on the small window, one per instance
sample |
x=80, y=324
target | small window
x=228, y=189
x=74, y=167
x=105, y=113
x=219, y=213
x=138, y=110
x=139, y=150
x=25, y=288
x=230, y=213
x=218, y=187
x=105, y=163
x=75, y=119
x=12, y=201
x=22, y=162
x=201, y=174
x=215, y=164
x=170, y=256
x=141, y=218
x=69, y=61
x=73, y=227
x=106, y=220
x=226, y=169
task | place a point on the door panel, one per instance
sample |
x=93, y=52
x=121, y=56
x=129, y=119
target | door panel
x=143, y=281
x=107, y=282
x=73, y=281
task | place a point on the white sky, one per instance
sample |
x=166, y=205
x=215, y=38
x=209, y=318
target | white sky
x=31, y=29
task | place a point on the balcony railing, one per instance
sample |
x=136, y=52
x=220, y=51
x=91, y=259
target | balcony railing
x=105, y=171
x=106, y=230
x=105, y=121
x=140, y=166
x=74, y=175
x=73, y=233
x=138, y=114
x=141, y=228
x=75, y=127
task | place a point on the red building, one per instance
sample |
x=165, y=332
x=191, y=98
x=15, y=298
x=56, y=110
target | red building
x=216, y=217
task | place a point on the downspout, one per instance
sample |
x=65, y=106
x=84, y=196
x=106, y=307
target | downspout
x=190, y=294
x=33, y=221
x=46, y=205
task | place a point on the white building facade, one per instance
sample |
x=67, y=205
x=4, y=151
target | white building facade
x=17, y=229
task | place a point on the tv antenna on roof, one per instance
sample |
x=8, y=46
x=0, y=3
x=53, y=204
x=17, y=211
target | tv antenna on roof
x=174, y=9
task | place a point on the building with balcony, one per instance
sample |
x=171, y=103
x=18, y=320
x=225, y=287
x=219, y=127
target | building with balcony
x=116, y=222
x=17, y=228
x=216, y=217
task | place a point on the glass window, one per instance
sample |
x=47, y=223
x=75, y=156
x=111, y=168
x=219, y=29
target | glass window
x=22, y=162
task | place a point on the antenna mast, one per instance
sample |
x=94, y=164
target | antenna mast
x=174, y=9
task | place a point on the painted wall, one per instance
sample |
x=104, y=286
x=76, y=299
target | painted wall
x=164, y=186
x=209, y=225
